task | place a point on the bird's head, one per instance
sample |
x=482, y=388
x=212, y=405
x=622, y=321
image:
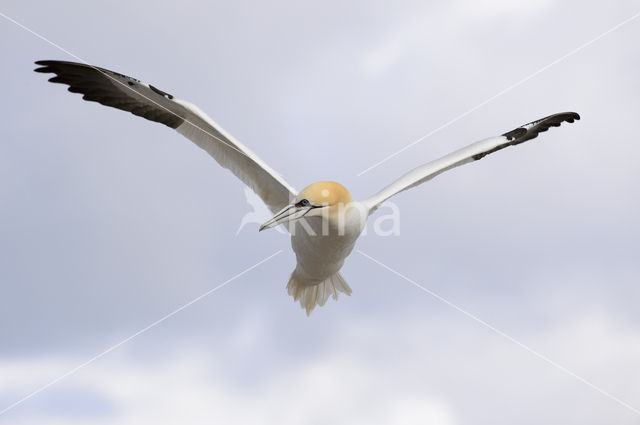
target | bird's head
x=323, y=198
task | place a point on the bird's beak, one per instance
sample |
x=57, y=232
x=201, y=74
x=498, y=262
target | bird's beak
x=285, y=215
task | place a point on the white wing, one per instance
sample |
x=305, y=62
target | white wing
x=471, y=153
x=119, y=91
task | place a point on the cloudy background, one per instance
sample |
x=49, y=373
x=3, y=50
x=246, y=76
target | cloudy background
x=109, y=222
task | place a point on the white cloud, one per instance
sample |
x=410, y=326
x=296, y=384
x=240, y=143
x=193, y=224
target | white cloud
x=188, y=390
x=424, y=373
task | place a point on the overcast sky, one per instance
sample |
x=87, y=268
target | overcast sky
x=108, y=222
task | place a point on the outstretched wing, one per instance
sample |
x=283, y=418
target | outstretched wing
x=119, y=91
x=471, y=153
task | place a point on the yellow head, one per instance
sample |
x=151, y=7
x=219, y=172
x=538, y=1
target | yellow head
x=324, y=194
x=316, y=199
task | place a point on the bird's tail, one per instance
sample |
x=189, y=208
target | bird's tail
x=312, y=295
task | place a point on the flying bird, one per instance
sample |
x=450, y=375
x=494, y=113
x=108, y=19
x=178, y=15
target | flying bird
x=323, y=219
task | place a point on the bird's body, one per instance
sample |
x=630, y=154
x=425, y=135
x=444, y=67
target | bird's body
x=319, y=258
x=321, y=246
x=323, y=219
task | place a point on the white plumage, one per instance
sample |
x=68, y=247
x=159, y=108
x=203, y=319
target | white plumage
x=324, y=220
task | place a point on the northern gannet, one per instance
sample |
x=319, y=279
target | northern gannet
x=333, y=220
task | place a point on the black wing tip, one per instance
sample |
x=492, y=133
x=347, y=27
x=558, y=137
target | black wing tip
x=567, y=116
x=47, y=66
x=46, y=62
x=96, y=86
x=557, y=119
x=44, y=66
x=515, y=133
x=55, y=62
x=560, y=117
x=55, y=65
x=532, y=129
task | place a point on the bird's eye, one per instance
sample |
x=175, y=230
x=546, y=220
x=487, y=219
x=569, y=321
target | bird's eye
x=303, y=203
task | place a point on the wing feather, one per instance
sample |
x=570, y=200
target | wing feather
x=468, y=154
x=119, y=91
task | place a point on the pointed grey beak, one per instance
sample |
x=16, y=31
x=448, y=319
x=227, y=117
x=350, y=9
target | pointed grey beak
x=288, y=213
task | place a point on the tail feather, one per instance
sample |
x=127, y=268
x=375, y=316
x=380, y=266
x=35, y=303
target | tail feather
x=312, y=295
